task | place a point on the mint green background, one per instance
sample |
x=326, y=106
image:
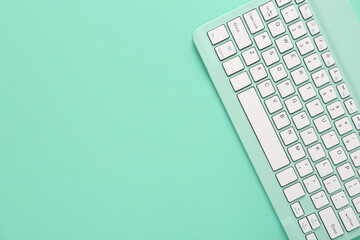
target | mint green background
x=110, y=127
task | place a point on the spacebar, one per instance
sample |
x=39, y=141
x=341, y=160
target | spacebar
x=263, y=129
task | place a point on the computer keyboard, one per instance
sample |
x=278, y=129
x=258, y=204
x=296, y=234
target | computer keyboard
x=282, y=72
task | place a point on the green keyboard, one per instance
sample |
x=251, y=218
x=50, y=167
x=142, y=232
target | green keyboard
x=294, y=110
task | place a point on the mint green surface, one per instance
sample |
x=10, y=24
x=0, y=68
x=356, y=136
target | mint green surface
x=110, y=127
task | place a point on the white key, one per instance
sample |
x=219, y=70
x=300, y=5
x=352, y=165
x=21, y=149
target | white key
x=305, y=11
x=276, y=28
x=353, y=187
x=320, y=43
x=253, y=21
x=225, y=50
x=289, y=13
x=240, y=81
x=297, y=30
x=296, y=152
x=250, y=56
x=268, y=11
x=301, y=120
x=292, y=60
x=311, y=236
x=284, y=44
x=349, y=219
x=316, y=152
x=351, y=107
x=313, y=27
x=312, y=62
x=330, y=139
x=356, y=120
x=345, y=171
x=258, y=72
x=332, y=184
x=320, y=78
x=314, y=107
x=319, y=199
x=297, y=209
x=304, y=168
x=299, y=76
x=289, y=136
x=273, y=104
x=340, y=200
x=281, y=3
x=336, y=75
x=233, y=66
x=312, y=184
x=266, y=88
x=285, y=88
x=309, y=136
x=218, y=34
x=356, y=202
x=355, y=157
x=322, y=123
x=343, y=90
x=343, y=126
x=305, y=225
x=263, y=129
x=331, y=223
x=351, y=142
x=307, y=92
x=328, y=94
x=305, y=46
x=299, y=1
x=335, y=110
x=270, y=56
x=286, y=177
x=294, y=192
x=293, y=104
x=239, y=33
x=324, y=168
x=314, y=221
x=278, y=72
x=281, y=120
x=328, y=59
x=262, y=40
x=338, y=155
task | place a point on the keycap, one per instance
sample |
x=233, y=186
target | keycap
x=350, y=106
x=353, y=187
x=278, y=72
x=284, y=44
x=218, y=34
x=281, y=3
x=343, y=126
x=286, y=176
x=316, y=152
x=319, y=199
x=313, y=27
x=331, y=223
x=336, y=75
x=289, y=14
x=301, y=120
x=332, y=184
x=356, y=202
x=312, y=184
x=309, y=136
x=307, y=92
x=239, y=33
x=266, y=88
x=258, y=72
x=294, y=192
x=253, y=21
x=355, y=157
x=345, y=171
x=312, y=62
x=338, y=155
x=328, y=94
x=292, y=60
x=268, y=11
x=349, y=219
x=315, y=107
x=263, y=129
x=356, y=120
x=320, y=78
x=285, y=89
x=343, y=90
x=324, y=168
x=305, y=225
x=311, y=236
x=263, y=40
x=299, y=76
x=305, y=11
x=281, y=120
x=276, y=28
x=233, y=66
x=225, y=50
x=273, y=104
x=351, y=142
x=330, y=139
x=304, y=168
x=340, y=200
x=293, y=104
x=250, y=56
x=328, y=59
x=240, y=81
x=305, y=46
x=322, y=123
x=335, y=110
x=296, y=152
x=314, y=221
x=289, y=136
x=299, y=1
x=270, y=56
x=297, y=30
x=297, y=209
x=320, y=43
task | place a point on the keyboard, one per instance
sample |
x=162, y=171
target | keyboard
x=294, y=110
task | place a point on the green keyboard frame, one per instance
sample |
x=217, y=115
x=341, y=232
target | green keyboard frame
x=346, y=52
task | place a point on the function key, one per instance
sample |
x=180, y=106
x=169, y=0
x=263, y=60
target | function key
x=320, y=43
x=313, y=27
x=253, y=21
x=268, y=11
x=281, y=3
x=335, y=75
x=225, y=50
x=218, y=34
x=305, y=11
x=343, y=90
x=356, y=121
x=328, y=59
x=297, y=209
